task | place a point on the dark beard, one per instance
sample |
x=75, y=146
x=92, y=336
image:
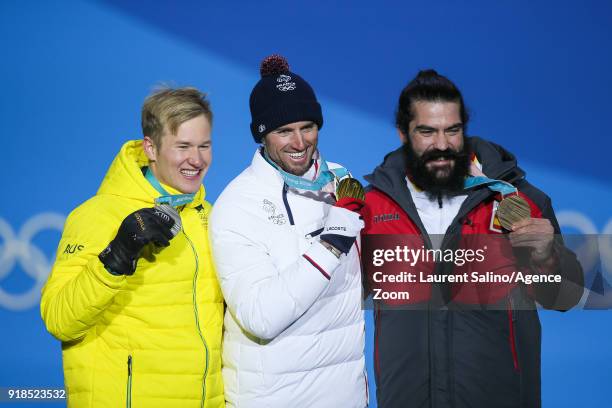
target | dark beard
x=435, y=186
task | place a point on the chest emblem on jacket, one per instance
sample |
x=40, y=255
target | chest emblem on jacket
x=386, y=217
x=270, y=209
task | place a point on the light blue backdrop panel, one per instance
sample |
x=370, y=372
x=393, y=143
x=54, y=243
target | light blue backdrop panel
x=75, y=75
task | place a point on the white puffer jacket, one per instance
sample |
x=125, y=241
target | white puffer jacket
x=292, y=338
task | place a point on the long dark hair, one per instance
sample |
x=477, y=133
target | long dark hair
x=427, y=86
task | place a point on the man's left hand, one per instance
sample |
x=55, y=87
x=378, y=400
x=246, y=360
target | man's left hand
x=534, y=233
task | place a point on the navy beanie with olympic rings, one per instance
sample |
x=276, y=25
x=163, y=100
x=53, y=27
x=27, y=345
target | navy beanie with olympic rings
x=281, y=97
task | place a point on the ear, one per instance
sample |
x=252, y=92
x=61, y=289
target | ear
x=263, y=141
x=403, y=138
x=149, y=148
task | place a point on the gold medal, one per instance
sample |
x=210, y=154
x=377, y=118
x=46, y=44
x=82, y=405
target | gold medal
x=350, y=187
x=512, y=209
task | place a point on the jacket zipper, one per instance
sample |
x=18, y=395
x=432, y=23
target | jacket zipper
x=286, y=203
x=197, y=318
x=367, y=389
x=511, y=335
x=128, y=399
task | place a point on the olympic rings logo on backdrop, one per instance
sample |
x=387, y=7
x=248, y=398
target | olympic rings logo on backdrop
x=590, y=253
x=19, y=249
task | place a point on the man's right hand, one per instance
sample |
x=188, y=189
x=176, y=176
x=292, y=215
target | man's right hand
x=137, y=230
x=341, y=228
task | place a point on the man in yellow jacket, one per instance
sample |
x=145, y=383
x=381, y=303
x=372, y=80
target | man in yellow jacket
x=133, y=295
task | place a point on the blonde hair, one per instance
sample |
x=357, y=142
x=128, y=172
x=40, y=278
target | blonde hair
x=167, y=108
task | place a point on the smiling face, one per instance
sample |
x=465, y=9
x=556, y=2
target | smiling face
x=182, y=159
x=292, y=146
x=438, y=160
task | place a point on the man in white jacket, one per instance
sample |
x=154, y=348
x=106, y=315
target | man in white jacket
x=288, y=262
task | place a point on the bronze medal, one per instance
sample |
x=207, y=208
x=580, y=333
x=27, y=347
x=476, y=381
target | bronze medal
x=512, y=209
x=350, y=187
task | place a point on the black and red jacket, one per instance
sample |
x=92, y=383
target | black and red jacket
x=433, y=352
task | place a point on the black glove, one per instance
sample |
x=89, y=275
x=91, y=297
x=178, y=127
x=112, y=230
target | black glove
x=137, y=230
x=341, y=228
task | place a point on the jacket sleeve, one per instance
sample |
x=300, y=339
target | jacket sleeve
x=565, y=295
x=79, y=289
x=264, y=299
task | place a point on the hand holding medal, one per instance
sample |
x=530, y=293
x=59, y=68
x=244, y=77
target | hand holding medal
x=514, y=214
x=350, y=194
x=536, y=234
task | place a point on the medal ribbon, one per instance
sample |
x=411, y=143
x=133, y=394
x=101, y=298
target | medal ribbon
x=499, y=186
x=325, y=175
x=175, y=200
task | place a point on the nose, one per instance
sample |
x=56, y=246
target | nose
x=195, y=158
x=441, y=141
x=298, y=142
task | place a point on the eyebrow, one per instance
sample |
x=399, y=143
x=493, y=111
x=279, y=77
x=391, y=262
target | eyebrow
x=188, y=143
x=425, y=127
x=283, y=129
x=456, y=125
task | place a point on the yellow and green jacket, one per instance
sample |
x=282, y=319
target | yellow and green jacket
x=152, y=339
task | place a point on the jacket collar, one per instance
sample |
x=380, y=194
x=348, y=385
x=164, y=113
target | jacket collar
x=271, y=177
x=264, y=171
